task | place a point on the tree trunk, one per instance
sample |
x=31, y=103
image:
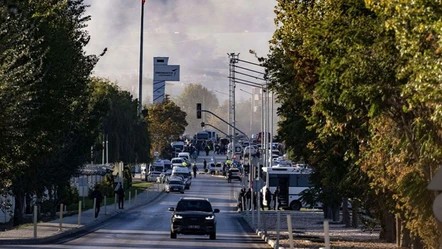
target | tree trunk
x=18, y=210
x=439, y=224
x=398, y=230
x=51, y=197
x=387, y=226
x=405, y=237
x=335, y=214
x=354, y=214
x=417, y=243
x=345, y=213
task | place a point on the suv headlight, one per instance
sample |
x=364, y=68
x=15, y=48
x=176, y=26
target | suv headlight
x=211, y=217
x=176, y=216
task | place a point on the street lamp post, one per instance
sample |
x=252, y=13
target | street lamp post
x=140, y=83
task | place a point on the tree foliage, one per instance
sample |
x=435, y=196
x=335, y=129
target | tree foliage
x=359, y=86
x=127, y=132
x=52, y=113
x=167, y=122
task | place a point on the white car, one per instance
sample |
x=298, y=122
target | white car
x=177, y=161
x=251, y=150
x=185, y=156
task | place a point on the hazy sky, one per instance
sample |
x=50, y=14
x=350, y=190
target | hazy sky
x=196, y=34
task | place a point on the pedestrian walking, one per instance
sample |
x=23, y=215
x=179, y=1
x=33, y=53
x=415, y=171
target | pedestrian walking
x=249, y=197
x=268, y=198
x=241, y=198
x=261, y=199
x=276, y=198
x=229, y=176
x=207, y=150
x=121, y=195
x=98, y=196
x=195, y=169
x=205, y=165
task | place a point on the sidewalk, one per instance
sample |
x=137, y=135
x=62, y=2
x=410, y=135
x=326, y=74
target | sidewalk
x=50, y=231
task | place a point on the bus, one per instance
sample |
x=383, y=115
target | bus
x=202, y=136
x=291, y=182
x=212, y=135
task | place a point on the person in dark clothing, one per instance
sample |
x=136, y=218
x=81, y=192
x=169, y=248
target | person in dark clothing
x=205, y=164
x=207, y=150
x=229, y=176
x=248, y=197
x=268, y=196
x=241, y=198
x=276, y=198
x=195, y=169
x=120, y=193
x=98, y=196
x=261, y=199
x=255, y=201
x=258, y=154
x=217, y=148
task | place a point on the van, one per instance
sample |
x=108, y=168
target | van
x=215, y=166
x=177, y=161
x=167, y=165
x=178, y=146
x=155, y=170
x=185, y=173
x=185, y=155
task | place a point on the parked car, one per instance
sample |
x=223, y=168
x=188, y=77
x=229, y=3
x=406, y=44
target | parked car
x=193, y=216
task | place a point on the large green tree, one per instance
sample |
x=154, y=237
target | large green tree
x=45, y=75
x=361, y=88
x=127, y=132
x=167, y=122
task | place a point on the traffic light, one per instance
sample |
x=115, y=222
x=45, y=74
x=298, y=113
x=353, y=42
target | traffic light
x=203, y=124
x=198, y=110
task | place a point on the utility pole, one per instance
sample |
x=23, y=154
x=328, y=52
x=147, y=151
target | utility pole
x=233, y=59
x=140, y=84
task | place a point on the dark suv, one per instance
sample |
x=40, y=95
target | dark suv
x=193, y=216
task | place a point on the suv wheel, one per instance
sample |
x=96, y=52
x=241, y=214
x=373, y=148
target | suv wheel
x=172, y=235
x=212, y=236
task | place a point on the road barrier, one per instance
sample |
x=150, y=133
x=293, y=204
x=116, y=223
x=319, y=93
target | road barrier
x=290, y=231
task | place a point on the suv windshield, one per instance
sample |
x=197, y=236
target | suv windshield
x=194, y=205
x=185, y=175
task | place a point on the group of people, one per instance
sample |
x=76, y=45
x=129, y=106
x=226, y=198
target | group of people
x=98, y=197
x=268, y=195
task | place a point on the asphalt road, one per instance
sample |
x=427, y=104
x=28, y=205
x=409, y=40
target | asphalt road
x=149, y=226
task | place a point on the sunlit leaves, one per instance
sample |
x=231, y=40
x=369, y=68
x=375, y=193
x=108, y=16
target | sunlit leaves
x=167, y=122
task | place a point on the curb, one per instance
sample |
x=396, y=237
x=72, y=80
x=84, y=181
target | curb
x=55, y=237
x=263, y=236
